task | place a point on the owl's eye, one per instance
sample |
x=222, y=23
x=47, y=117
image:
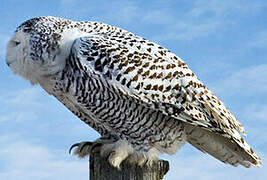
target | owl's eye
x=15, y=43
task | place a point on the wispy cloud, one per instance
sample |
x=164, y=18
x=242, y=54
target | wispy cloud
x=158, y=17
x=21, y=97
x=188, y=31
x=24, y=161
x=190, y=163
x=247, y=81
x=205, y=18
x=116, y=12
x=222, y=9
x=18, y=106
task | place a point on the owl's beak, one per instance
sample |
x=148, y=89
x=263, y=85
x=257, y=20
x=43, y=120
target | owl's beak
x=14, y=46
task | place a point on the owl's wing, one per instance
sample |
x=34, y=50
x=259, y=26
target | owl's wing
x=155, y=77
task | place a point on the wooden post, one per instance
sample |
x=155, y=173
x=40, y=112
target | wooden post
x=100, y=169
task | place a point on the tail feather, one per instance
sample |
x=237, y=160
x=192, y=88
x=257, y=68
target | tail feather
x=226, y=149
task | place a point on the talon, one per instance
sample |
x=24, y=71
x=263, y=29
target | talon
x=94, y=146
x=102, y=145
x=74, y=145
x=85, y=144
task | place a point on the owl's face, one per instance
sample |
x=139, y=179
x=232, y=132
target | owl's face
x=39, y=48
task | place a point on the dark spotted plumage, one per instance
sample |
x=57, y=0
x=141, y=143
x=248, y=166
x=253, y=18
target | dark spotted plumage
x=142, y=98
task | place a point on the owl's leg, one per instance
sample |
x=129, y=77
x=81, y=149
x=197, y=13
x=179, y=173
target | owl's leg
x=111, y=147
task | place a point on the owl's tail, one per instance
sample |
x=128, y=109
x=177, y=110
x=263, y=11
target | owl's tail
x=225, y=149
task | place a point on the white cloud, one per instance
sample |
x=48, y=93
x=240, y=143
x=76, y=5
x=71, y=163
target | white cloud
x=126, y=13
x=20, y=116
x=24, y=161
x=22, y=97
x=204, y=18
x=19, y=106
x=221, y=9
x=119, y=12
x=189, y=31
x=248, y=81
x=157, y=17
x=190, y=164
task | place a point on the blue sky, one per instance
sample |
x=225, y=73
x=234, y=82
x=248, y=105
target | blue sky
x=223, y=42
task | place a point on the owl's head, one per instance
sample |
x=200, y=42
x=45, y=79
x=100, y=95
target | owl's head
x=40, y=47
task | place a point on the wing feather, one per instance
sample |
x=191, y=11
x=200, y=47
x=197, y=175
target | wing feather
x=155, y=76
x=158, y=79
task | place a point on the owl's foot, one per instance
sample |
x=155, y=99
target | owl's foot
x=85, y=148
x=114, y=151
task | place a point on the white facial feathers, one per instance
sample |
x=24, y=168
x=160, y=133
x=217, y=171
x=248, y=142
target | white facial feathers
x=37, y=53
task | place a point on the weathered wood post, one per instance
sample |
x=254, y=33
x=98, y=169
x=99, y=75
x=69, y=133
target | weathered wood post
x=100, y=169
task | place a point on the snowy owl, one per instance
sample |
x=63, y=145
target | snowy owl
x=142, y=99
